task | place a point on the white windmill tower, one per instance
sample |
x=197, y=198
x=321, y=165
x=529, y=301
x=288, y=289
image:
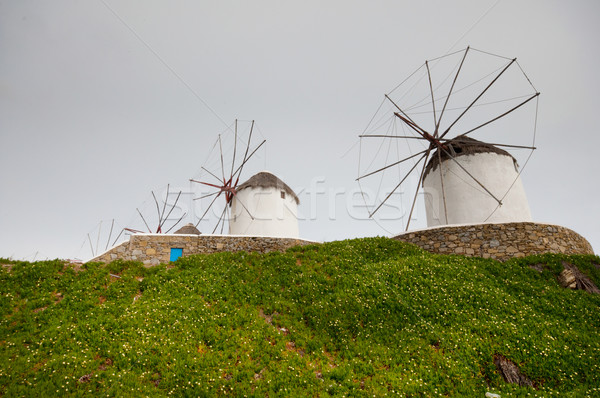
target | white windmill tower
x=451, y=199
x=422, y=129
x=264, y=206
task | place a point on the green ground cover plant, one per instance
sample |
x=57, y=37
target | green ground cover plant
x=365, y=317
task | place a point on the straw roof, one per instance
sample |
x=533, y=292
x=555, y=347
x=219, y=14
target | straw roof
x=264, y=179
x=463, y=145
x=188, y=229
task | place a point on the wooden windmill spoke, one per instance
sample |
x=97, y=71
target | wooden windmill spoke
x=170, y=211
x=392, y=165
x=220, y=220
x=226, y=217
x=410, y=137
x=234, y=150
x=207, y=183
x=227, y=184
x=164, y=205
x=413, y=126
x=432, y=97
x=504, y=114
x=443, y=188
x=118, y=236
x=471, y=175
x=135, y=231
x=412, y=207
x=245, y=208
x=238, y=171
x=400, y=183
x=479, y=96
x=221, y=152
x=98, y=239
x=158, y=211
x=406, y=119
x=437, y=125
x=207, y=195
x=91, y=246
x=178, y=221
x=245, y=153
x=110, y=234
x=209, y=172
x=458, y=140
x=143, y=219
x=208, y=208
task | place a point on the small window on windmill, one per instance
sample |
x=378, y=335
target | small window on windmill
x=282, y=194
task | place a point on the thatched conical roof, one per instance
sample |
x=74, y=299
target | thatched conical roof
x=463, y=145
x=188, y=229
x=264, y=179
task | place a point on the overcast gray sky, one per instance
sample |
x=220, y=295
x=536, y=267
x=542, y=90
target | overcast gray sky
x=103, y=101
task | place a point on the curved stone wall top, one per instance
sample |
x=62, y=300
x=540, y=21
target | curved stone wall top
x=499, y=241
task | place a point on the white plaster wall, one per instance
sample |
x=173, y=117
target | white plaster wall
x=466, y=201
x=267, y=213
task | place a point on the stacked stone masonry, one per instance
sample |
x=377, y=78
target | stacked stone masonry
x=499, y=241
x=152, y=249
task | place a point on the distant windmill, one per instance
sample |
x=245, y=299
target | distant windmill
x=103, y=237
x=423, y=129
x=223, y=174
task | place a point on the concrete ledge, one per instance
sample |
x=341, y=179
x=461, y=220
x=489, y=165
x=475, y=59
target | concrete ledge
x=499, y=241
x=153, y=249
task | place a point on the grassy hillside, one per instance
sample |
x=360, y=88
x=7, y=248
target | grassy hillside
x=365, y=317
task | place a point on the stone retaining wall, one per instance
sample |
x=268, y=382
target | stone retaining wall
x=153, y=249
x=499, y=241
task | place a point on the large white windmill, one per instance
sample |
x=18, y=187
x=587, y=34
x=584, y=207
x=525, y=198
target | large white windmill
x=423, y=132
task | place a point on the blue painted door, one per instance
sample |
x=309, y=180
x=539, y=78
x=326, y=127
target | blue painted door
x=175, y=253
